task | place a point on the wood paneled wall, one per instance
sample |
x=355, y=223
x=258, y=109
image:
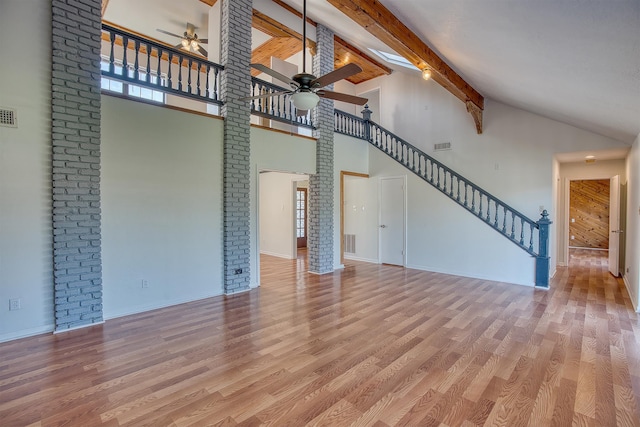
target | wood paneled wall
x=589, y=207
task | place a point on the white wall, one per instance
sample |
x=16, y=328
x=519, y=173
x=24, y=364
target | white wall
x=350, y=155
x=161, y=206
x=632, y=277
x=602, y=169
x=274, y=151
x=26, y=242
x=277, y=212
x=513, y=159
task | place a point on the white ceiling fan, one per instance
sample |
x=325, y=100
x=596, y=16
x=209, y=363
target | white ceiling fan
x=306, y=89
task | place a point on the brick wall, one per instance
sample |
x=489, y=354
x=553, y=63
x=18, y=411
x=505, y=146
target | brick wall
x=75, y=91
x=320, y=239
x=235, y=83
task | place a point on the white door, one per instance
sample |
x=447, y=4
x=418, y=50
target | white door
x=614, y=226
x=392, y=228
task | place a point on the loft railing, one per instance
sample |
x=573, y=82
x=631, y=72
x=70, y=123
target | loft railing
x=139, y=61
x=527, y=234
x=277, y=107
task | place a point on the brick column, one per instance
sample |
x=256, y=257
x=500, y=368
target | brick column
x=320, y=239
x=75, y=135
x=235, y=55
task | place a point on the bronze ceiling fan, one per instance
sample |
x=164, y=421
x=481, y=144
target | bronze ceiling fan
x=190, y=40
x=306, y=89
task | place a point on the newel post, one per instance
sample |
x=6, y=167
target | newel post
x=366, y=115
x=542, y=260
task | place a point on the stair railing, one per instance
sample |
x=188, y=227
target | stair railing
x=527, y=234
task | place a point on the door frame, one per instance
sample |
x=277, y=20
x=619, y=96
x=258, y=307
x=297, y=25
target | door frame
x=404, y=217
x=342, y=175
x=306, y=219
x=567, y=214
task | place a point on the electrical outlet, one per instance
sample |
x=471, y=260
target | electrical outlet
x=14, y=304
x=145, y=284
x=238, y=271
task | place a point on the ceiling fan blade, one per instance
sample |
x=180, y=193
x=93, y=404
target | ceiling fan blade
x=339, y=74
x=179, y=46
x=274, y=74
x=301, y=113
x=202, y=51
x=266, y=95
x=168, y=33
x=338, y=96
x=203, y=41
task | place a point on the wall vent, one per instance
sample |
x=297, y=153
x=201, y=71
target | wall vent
x=442, y=147
x=350, y=243
x=8, y=117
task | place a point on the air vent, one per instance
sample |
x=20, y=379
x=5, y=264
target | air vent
x=8, y=117
x=442, y=147
x=350, y=243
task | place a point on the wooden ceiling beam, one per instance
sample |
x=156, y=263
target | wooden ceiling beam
x=209, y=2
x=274, y=28
x=357, y=52
x=384, y=25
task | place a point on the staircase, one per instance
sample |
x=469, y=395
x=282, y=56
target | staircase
x=529, y=235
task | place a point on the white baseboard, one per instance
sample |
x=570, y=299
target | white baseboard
x=149, y=307
x=633, y=297
x=463, y=274
x=24, y=333
x=285, y=256
x=355, y=258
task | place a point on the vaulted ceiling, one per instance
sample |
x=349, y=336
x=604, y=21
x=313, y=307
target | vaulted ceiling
x=573, y=61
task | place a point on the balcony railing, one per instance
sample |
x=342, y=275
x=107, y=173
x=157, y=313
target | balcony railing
x=276, y=107
x=139, y=61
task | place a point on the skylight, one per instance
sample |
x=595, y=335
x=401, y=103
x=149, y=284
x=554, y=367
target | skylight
x=392, y=58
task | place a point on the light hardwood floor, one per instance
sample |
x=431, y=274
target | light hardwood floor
x=368, y=345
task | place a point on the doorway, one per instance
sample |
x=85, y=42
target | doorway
x=277, y=222
x=593, y=218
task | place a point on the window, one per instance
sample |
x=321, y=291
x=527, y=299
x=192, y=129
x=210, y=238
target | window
x=129, y=89
x=392, y=58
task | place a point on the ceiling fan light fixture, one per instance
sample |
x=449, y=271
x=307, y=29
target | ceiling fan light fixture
x=426, y=73
x=194, y=44
x=185, y=43
x=305, y=100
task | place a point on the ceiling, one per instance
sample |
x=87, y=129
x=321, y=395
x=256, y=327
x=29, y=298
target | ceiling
x=574, y=61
